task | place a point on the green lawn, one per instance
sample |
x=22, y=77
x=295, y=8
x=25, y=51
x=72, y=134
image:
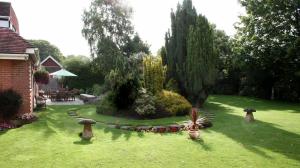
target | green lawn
x=272, y=141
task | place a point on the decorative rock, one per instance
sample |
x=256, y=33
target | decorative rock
x=143, y=128
x=159, y=129
x=72, y=113
x=87, y=129
x=112, y=126
x=174, y=128
x=127, y=127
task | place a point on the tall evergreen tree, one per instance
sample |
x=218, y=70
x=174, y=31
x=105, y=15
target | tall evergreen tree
x=190, y=54
x=176, y=42
x=201, y=61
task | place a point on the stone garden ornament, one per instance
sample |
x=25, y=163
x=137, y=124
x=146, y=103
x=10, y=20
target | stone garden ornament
x=87, y=133
x=249, y=114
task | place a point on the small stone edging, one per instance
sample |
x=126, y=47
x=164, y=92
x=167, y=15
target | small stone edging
x=156, y=129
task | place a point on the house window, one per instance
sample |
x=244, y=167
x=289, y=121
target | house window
x=4, y=23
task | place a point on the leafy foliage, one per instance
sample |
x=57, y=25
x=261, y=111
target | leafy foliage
x=10, y=103
x=47, y=49
x=98, y=90
x=109, y=32
x=265, y=36
x=124, y=81
x=154, y=74
x=106, y=106
x=172, y=85
x=144, y=104
x=107, y=20
x=228, y=78
x=135, y=45
x=168, y=103
x=86, y=75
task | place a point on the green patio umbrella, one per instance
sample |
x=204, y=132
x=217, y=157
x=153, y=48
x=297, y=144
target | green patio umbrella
x=62, y=73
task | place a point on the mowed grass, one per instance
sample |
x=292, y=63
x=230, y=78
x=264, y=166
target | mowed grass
x=273, y=140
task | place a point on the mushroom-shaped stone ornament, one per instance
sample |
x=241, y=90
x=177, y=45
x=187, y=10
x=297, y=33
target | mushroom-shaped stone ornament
x=249, y=114
x=87, y=128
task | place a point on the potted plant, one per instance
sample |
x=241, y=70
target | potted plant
x=41, y=77
x=194, y=128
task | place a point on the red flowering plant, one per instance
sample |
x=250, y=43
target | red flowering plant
x=41, y=77
x=6, y=125
x=28, y=117
x=194, y=118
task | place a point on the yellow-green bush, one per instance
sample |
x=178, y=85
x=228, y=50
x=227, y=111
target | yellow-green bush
x=169, y=103
x=154, y=74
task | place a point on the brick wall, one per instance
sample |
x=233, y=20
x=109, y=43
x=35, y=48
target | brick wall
x=17, y=75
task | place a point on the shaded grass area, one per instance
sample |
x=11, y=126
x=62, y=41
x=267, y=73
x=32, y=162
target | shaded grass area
x=273, y=140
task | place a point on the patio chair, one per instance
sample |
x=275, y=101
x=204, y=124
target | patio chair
x=72, y=94
x=53, y=96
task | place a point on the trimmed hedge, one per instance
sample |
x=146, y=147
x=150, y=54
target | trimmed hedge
x=169, y=103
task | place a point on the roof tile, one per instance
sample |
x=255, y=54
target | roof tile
x=12, y=43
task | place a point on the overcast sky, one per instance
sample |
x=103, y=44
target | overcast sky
x=59, y=21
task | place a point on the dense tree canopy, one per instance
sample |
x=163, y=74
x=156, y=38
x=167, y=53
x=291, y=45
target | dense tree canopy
x=82, y=67
x=265, y=36
x=228, y=77
x=109, y=32
x=135, y=45
x=46, y=49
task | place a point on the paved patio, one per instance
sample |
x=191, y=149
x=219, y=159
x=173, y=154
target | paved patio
x=76, y=102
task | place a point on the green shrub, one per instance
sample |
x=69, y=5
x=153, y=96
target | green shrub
x=10, y=103
x=106, y=106
x=169, y=103
x=172, y=85
x=98, y=90
x=124, y=88
x=144, y=105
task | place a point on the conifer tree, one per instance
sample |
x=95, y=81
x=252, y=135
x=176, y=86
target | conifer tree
x=190, y=54
x=201, y=61
x=176, y=42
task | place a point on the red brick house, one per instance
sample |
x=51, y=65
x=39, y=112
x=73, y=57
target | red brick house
x=18, y=59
